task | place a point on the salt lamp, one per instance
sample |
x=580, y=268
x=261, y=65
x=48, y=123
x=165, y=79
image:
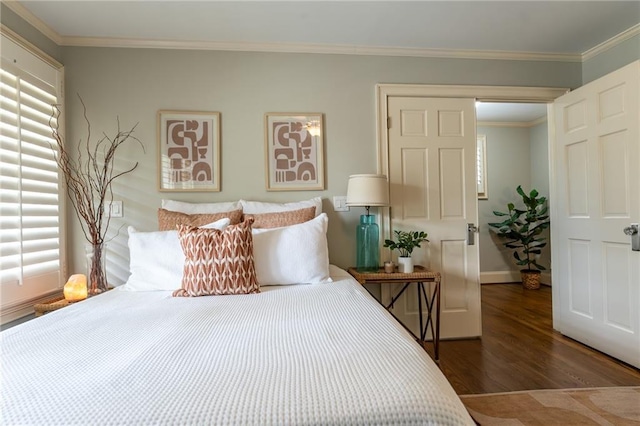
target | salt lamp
x=76, y=288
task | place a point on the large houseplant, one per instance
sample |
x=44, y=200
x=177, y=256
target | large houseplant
x=522, y=229
x=89, y=173
x=407, y=241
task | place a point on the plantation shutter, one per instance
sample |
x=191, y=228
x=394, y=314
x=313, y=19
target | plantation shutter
x=30, y=212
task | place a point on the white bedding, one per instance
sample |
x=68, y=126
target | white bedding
x=300, y=354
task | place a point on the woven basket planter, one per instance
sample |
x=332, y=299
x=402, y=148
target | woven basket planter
x=530, y=279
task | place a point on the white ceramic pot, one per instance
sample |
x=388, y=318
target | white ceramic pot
x=405, y=265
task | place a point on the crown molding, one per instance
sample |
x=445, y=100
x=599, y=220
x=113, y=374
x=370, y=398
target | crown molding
x=34, y=21
x=8, y=32
x=523, y=124
x=37, y=23
x=613, y=41
x=319, y=48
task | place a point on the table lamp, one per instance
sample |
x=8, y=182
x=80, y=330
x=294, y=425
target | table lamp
x=367, y=191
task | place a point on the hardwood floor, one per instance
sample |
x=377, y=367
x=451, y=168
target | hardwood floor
x=519, y=350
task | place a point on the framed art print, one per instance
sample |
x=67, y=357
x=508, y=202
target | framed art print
x=189, y=150
x=294, y=151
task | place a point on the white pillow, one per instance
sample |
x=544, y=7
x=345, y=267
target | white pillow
x=257, y=207
x=295, y=254
x=156, y=259
x=199, y=208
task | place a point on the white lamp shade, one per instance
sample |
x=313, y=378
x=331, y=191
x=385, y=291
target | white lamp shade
x=368, y=190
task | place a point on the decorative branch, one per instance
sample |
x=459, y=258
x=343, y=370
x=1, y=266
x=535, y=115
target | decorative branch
x=89, y=176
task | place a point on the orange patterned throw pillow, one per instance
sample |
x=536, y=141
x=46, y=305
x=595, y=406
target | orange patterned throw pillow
x=217, y=262
x=168, y=220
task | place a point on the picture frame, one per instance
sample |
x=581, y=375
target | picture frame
x=481, y=164
x=294, y=151
x=188, y=151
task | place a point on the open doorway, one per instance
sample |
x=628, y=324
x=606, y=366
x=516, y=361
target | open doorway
x=517, y=153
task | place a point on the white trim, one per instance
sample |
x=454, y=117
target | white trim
x=9, y=33
x=483, y=93
x=512, y=123
x=60, y=40
x=499, y=277
x=33, y=20
x=332, y=49
x=613, y=41
x=496, y=93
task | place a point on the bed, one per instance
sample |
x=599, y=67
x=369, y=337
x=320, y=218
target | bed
x=322, y=353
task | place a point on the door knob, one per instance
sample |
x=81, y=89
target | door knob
x=632, y=231
x=471, y=233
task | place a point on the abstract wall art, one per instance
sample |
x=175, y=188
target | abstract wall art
x=189, y=150
x=294, y=151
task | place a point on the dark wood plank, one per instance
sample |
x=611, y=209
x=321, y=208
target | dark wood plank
x=519, y=350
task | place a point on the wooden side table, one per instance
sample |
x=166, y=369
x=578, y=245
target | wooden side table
x=420, y=276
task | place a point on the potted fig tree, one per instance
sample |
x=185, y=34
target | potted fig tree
x=407, y=241
x=521, y=229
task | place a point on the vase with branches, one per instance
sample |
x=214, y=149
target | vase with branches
x=89, y=173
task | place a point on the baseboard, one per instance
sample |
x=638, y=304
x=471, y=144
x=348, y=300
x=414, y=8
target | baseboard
x=495, y=277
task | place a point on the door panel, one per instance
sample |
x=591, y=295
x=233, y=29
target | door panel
x=597, y=155
x=432, y=153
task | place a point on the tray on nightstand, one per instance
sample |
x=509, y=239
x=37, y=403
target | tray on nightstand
x=51, y=305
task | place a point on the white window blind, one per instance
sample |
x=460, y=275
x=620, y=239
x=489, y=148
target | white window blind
x=30, y=213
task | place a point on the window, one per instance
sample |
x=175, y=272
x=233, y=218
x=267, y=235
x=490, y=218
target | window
x=30, y=212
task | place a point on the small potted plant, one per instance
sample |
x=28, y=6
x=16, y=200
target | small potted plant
x=407, y=241
x=521, y=229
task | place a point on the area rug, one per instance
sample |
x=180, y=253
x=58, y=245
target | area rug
x=592, y=406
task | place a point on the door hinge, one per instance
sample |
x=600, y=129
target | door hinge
x=388, y=122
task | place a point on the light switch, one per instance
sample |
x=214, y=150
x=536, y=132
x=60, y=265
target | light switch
x=115, y=208
x=340, y=203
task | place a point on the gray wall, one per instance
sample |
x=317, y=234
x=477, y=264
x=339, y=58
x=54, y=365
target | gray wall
x=515, y=156
x=133, y=84
x=508, y=165
x=539, y=149
x=611, y=59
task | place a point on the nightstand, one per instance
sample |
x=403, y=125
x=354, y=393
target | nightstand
x=430, y=294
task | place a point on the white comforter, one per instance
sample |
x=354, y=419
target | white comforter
x=301, y=354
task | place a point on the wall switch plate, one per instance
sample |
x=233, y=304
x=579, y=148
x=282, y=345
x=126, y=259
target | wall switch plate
x=115, y=209
x=340, y=203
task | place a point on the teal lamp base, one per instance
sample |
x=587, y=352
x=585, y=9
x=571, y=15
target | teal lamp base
x=368, y=250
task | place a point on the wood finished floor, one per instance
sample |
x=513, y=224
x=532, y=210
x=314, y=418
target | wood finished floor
x=519, y=350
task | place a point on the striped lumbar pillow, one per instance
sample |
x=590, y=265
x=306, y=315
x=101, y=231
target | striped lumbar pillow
x=217, y=262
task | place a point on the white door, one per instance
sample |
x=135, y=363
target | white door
x=432, y=175
x=596, y=275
